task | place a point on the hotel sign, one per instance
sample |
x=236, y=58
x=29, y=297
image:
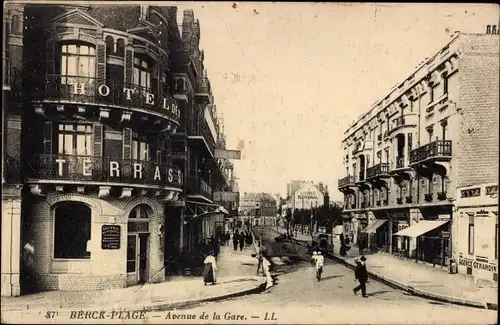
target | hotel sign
x=116, y=170
x=128, y=94
x=471, y=192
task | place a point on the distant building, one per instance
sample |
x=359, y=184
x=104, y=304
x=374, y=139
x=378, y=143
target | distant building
x=258, y=208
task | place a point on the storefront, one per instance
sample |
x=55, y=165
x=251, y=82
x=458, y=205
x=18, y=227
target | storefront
x=82, y=242
x=475, y=232
x=398, y=220
x=376, y=233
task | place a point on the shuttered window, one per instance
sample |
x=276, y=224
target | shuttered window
x=142, y=74
x=75, y=139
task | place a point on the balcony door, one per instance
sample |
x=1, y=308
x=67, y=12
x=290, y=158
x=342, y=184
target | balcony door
x=74, y=147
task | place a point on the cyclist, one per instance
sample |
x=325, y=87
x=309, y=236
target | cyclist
x=320, y=261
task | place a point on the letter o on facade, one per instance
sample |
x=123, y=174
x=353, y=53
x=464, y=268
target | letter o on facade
x=103, y=90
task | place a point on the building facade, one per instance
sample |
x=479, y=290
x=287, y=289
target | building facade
x=13, y=27
x=434, y=132
x=117, y=168
x=259, y=209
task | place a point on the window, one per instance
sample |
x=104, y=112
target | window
x=75, y=139
x=142, y=73
x=471, y=235
x=445, y=84
x=77, y=61
x=444, y=125
x=140, y=147
x=72, y=222
x=430, y=132
x=431, y=94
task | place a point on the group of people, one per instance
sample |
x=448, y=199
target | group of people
x=241, y=239
x=318, y=261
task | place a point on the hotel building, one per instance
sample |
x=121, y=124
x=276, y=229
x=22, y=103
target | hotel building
x=110, y=133
x=433, y=133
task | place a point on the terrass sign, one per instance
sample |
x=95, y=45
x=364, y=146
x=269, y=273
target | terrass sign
x=116, y=170
x=79, y=88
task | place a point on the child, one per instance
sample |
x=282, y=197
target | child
x=320, y=261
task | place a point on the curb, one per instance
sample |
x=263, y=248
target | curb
x=169, y=306
x=417, y=292
x=421, y=293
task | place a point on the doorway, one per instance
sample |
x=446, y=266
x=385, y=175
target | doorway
x=137, y=258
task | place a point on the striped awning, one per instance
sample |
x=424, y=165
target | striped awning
x=421, y=228
x=372, y=227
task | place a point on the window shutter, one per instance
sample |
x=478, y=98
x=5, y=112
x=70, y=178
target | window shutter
x=101, y=62
x=47, y=137
x=127, y=143
x=129, y=66
x=50, y=59
x=98, y=140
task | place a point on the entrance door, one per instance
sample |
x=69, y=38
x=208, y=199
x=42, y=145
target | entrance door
x=143, y=258
x=132, y=258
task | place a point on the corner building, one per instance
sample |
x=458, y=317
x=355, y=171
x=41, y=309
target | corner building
x=406, y=158
x=99, y=113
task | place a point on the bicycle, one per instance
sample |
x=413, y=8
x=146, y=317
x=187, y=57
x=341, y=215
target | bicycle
x=319, y=271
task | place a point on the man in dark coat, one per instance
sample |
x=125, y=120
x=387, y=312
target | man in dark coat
x=242, y=242
x=361, y=275
x=236, y=239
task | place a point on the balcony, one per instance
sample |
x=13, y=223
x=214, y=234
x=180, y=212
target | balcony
x=441, y=196
x=102, y=171
x=199, y=134
x=409, y=199
x=363, y=205
x=199, y=187
x=346, y=182
x=11, y=170
x=436, y=150
x=110, y=97
x=400, y=162
x=385, y=202
x=378, y=203
x=428, y=197
x=203, y=90
x=378, y=170
x=399, y=200
x=407, y=121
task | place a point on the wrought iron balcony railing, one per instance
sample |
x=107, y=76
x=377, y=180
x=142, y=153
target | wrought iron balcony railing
x=363, y=205
x=377, y=170
x=11, y=170
x=400, y=162
x=409, y=199
x=200, y=128
x=428, y=197
x=441, y=196
x=103, y=169
x=438, y=148
x=399, y=200
x=378, y=202
x=346, y=181
x=386, y=202
x=95, y=91
x=197, y=185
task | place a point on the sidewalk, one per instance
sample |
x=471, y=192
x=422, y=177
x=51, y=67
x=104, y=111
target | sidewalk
x=422, y=280
x=235, y=277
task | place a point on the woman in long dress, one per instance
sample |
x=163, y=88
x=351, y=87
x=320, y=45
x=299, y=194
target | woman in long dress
x=210, y=268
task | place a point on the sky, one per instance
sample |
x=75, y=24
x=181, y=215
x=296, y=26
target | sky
x=289, y=78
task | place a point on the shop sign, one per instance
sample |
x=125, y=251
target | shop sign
x=471, y=192
x=110, y=237
x=477, y=265
x=491, y=190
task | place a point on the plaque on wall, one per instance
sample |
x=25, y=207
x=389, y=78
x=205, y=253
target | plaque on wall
x=110, y=237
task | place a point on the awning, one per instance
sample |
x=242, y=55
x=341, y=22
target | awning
x=223, y=210
x=372, y=228
x=421, y=228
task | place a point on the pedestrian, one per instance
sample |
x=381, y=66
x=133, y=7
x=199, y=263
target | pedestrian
x=361, y=275
x=313, y=258
x=320, y=261
x=210, y=269
x=236, y=239
x=242, y=242
x=260, y=264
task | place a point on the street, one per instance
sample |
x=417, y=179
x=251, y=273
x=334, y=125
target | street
x=298, y=298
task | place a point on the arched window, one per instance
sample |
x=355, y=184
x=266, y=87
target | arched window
x=120, y=46
x=110, y=45
x=72, y=225
x=78, y=60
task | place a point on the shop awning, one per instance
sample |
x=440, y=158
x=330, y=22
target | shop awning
x=372, y=228
x=421, y=228
x=223, y=210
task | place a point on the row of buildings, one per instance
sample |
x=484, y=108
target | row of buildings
x=421, y=165
x=114, y=155
x=259, y=209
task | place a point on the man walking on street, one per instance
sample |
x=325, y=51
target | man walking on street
x=236, y=238
x=361, y=275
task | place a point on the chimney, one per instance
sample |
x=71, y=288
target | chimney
x=488, y=29
x=494, y=29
